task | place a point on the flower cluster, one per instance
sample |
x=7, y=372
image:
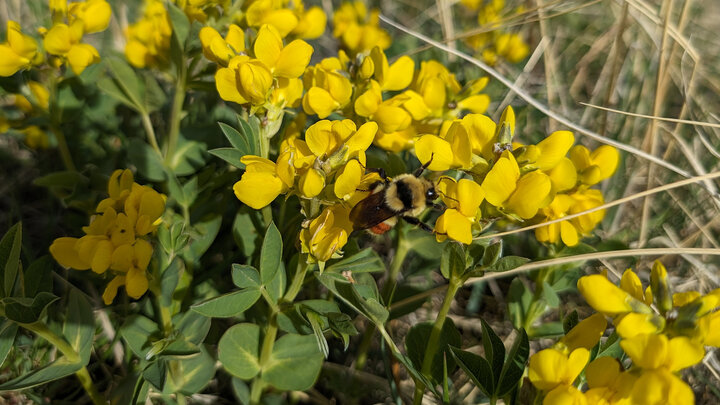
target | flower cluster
x=403, y=101
x=289, y=18
x=117, y=237
x=31, y=103
x=268, y=80
x=518, y=182
x=358, y=30
x=148, y=40
x=494, y=43
x=661, y=332
x=71, y=21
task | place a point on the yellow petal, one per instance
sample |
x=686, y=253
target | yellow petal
x=102, y=257
x=569, y=234
x=399, y=74
x=63, y=251
x=293, y=59
x=81, y=56
x=391, y=118
x=11, y=62
x=312, y=24
x=603, y=295
x=349, y=179
x=227, y=86
x=587, y=333
x=553, y=149
x=632, y=324
x=565, y=395
x=602, y=371
x=647, y=350
x=268, y=46
x=318, y=101
x=283, y=20
x=255, y=81
x=122, y=257
x=433, y=149
x=501, y=181
x=477, y=104
x=111, y=289
x=606, y=158
x=630, y=282
x=143, y=253
x=136, y=282
x=137, y=53
x=319, y=137
x=235, y=38
x=57, y=40
x=311, y=183
x=563, y=175
x=460, y=143
x=258, y=189
x=683, y=353
x=455, y=226
x=362, y=139
x=367, y=104
x=533, y=192
x=470, y=195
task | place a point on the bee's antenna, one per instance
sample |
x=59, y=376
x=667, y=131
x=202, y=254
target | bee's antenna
x=422, y=168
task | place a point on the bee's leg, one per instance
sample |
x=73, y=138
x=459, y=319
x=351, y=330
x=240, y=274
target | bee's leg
x=372, y=186
x=438, y=207
x=380, y=171
x=422, y=168
x=417, y=222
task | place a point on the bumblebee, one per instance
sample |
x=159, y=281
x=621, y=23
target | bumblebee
x=405, y=196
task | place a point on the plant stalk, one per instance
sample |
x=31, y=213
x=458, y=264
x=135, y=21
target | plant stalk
x=176, y=115
x=453, y=287
x=150, y=133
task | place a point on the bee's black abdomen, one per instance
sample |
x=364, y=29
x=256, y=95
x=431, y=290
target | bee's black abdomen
x=405, y=194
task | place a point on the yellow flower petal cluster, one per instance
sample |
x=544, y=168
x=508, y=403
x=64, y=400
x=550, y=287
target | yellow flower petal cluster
x=462, y=199
x=496, y=43
x=63, y=39
x=287, y=17
x=148, y=40
x=35, y=137
x=358, y=30
x=19, y=51
x=661, y=332
x=305, y=167
x=327, y=234
x=117, y=237
x=270, y=79
x=200, y=10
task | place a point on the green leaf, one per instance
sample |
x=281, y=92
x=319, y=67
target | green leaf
x=169, y=281
x=65, y=179
x=155, y=373
x=54, y=371
x=154, y=97
x=148, y=162
x=477, y=368
x=8, y=330
x=79, y=327
x=113, y=89
x=349, y=294
x=227, y=305
x=188, y=158
x=494, y=350
x=364, y=261
x=238, y=140
x=519, y=299
x=239, y=349
x=514, y=367
x=139, y=333
x=271, y=254
x=245, y=276
x=189, y=376
x=251, y=130
x=38, y=276
x=203, y=234
x=611, y=346
x=507, y=263
x=316, y=322
x=244, y=233
x=276, y=286
x=241, y=391
x=551, y=297
x=127, y=81
x=492, y=254
x=229, y=155
x=424, y=244
x=193, y=326
x=10, y=257
x=547, y=329
x=416, y=343
x=452, y=261
x=294, y=364
x=27, y=310
x=180, y=24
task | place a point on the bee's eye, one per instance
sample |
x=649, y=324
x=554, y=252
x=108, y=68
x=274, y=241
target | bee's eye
x=430, y=194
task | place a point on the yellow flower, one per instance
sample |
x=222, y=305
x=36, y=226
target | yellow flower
x=596, y=166
x=261, y=183
x=654, y=351
x=585, y=334
x=565, y=395
x=311, y=24
x=463, y=199
x=605, y=296
x=35, y=137
x=551, y=368
x=64, y=41
x=328, y=88
x=661, y=387
x=245, y=80
x=149, y=39
x=662, y=296
x=571, y=231
x=327, y=233
x=19, y=52
x=94, y=14
x=219, y=49
x=358, y=30
x=607, y=382
x=266, y=12
x=391, y=77
x=433, y=147
x=287, y=61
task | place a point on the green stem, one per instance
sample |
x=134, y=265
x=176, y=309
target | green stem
x=55, y=118
x=150, y=132
x=298, y=280
x=176, y=114
x=64, y=149
x=70, y=354
x=267, y=346
x=434, y=339
x=402, y=250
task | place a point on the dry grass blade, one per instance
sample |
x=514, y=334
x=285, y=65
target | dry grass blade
x=537, y=104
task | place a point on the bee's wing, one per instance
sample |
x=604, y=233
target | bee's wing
x=370, y=212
